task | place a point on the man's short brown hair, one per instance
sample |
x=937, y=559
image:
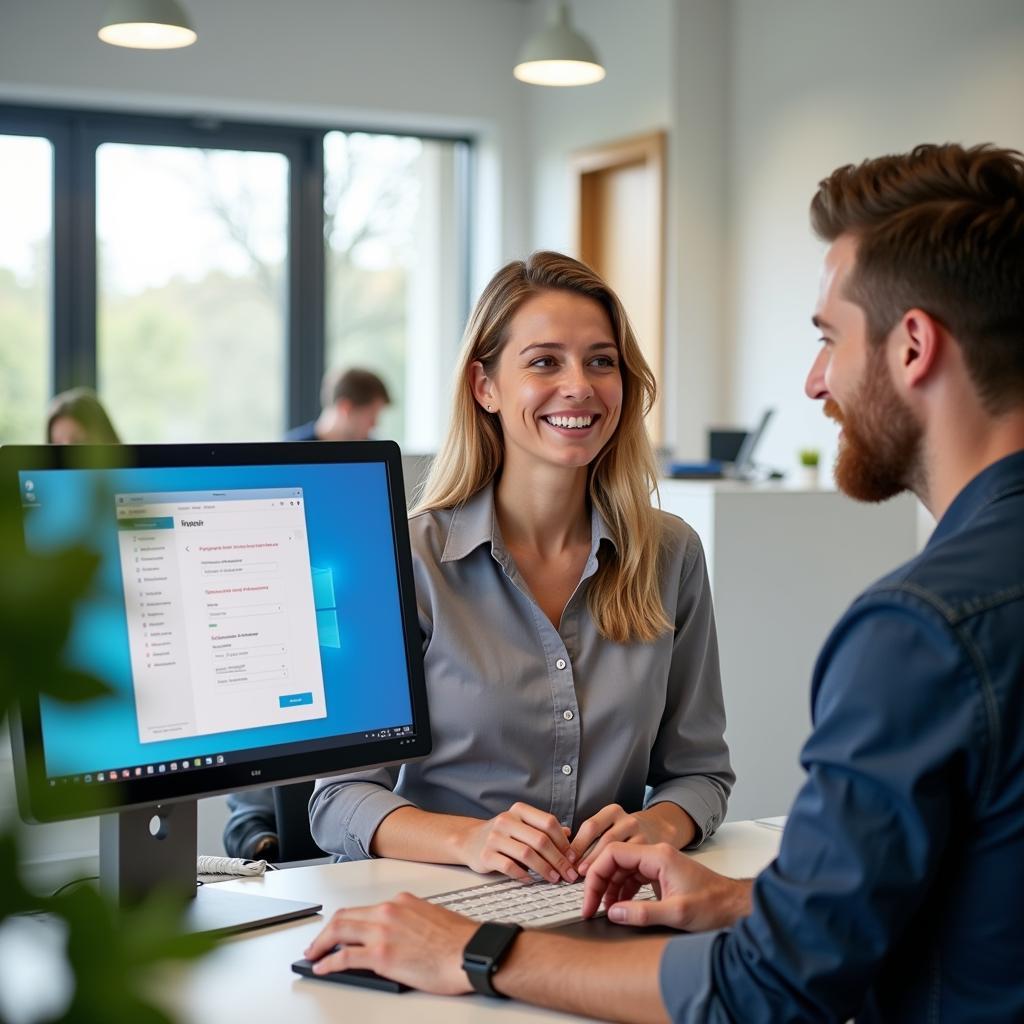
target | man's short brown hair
x=941, y=229
x=360, y=387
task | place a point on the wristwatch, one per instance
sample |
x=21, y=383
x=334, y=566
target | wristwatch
x=484, y=953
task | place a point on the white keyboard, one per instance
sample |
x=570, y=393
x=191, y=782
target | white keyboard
x=540, y=905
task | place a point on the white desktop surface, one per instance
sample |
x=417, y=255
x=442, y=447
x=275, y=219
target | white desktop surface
x=248, y=978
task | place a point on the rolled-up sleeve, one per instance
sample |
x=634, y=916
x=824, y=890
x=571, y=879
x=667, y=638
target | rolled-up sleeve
x=690, y=761
x=344, y=813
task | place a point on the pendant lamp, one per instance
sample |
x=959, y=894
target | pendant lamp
x=147, y=25
x=558, y=55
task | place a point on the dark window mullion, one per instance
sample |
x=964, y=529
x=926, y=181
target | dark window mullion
x=61, y=259
x=306, y=297
x=82, y=313
x=464, y=180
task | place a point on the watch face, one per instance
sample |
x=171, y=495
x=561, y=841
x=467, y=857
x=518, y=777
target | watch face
x=484, y=953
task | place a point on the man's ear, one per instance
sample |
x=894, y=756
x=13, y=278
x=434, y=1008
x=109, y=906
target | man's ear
x=920, y=340
x=483, y=388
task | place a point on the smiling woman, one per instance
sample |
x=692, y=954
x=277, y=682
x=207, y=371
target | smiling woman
x=556, y=385
x=569, y=641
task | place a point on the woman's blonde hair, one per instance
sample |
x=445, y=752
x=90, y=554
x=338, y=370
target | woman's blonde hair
x=623, y=597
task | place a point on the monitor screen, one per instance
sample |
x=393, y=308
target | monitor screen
x=253, y=614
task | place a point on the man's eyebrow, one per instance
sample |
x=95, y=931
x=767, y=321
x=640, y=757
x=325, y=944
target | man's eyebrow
x=557, y=345
x=822, y=325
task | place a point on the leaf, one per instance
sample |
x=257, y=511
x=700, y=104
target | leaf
x=73, y=687
x=114, y=954
x=14, y=897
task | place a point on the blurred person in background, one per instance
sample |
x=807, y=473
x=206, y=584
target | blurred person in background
x=78, y=417
x=352, y=401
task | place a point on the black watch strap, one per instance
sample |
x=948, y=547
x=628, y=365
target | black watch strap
x=484, y=953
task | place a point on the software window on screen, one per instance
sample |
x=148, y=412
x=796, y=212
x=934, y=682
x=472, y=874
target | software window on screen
x=222, y=626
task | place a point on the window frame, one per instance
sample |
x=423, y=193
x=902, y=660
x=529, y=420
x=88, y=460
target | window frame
x=76, y=134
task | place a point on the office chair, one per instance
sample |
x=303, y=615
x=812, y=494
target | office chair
x=291, y=809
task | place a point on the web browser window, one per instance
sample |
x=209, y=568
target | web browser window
x=222, y=623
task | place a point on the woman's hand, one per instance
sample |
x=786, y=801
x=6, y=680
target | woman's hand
x=520, y=840
x=665, y=822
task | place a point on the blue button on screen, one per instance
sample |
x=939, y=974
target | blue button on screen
x=293, y=700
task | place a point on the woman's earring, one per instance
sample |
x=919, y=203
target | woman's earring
x=490, y=408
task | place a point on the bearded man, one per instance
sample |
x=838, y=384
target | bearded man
x=898, y=891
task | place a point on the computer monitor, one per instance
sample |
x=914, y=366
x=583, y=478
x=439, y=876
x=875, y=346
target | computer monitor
x=254, y=616
x=743, y=468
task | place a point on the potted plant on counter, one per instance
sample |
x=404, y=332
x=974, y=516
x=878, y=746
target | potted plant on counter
x=809, y=463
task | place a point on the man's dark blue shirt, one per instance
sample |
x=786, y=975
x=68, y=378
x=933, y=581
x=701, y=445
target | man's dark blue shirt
x=898, y=892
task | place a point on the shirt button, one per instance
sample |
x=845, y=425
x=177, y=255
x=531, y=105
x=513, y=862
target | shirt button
x=567, y=769
x=561, y=663
x=567, y=715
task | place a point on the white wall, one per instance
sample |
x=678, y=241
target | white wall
x=696, y=388
x=816, y=84
x=668, y=68
x=443, y=65
x=633, y=42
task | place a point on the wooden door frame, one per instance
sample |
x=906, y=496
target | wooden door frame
x=650, y=151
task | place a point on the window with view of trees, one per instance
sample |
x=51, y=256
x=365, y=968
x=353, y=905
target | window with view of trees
x=26, y=257
x=204, y=275
x=192, y=291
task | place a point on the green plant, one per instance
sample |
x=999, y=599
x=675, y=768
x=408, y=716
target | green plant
x=809, y=457
x=112, y=954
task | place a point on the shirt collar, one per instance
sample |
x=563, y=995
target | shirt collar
x=475, y=523
x=999, y=480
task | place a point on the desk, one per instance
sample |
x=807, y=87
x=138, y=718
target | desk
x=248, y=979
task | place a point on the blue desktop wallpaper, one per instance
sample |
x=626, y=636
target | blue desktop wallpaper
x=352, y=555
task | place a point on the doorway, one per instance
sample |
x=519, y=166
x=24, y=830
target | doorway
x=620, y=207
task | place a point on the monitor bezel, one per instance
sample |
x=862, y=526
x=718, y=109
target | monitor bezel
x=34, y=794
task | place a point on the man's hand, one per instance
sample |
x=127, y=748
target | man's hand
x=663, y=823
x=519, y=840
x=407, y=939
x=690, y=897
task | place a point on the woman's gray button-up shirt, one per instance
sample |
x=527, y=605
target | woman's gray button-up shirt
x=562, y=719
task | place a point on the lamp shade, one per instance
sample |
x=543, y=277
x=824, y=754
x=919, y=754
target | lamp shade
x=558, y=55
x=147, y=25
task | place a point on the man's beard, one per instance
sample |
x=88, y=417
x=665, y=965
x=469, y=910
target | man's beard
x=880, y=447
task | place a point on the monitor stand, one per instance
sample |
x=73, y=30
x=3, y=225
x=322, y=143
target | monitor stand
x=154, y=848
